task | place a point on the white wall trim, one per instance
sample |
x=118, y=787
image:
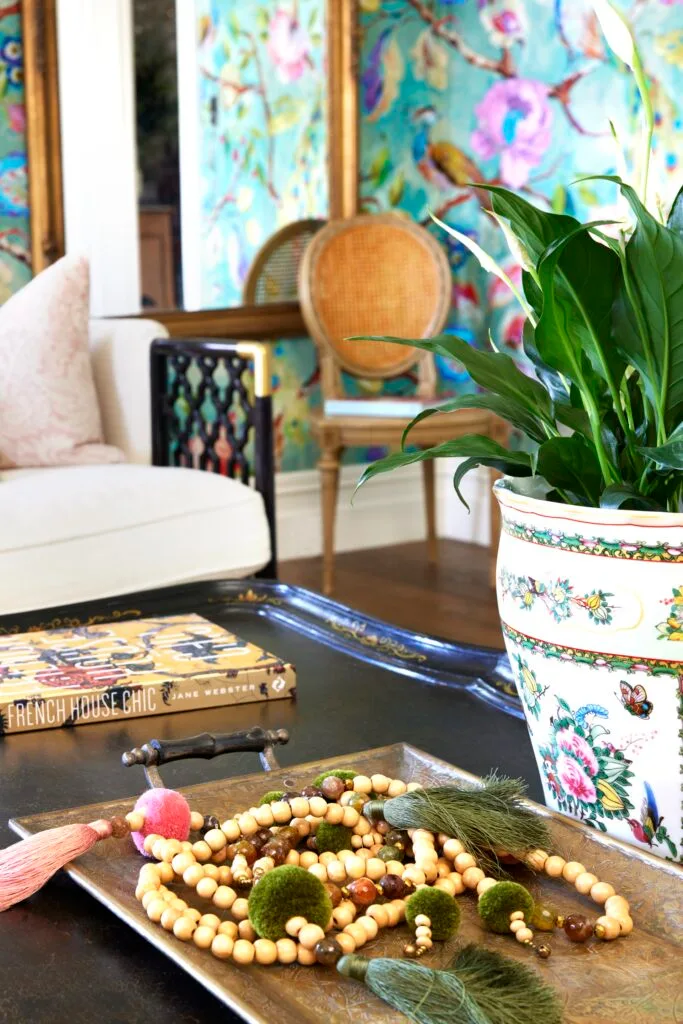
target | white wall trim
x=190, y=147
x=387, y=510
x=97, y=109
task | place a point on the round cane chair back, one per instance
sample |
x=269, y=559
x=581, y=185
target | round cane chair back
x=273, y=275
x=378, y=274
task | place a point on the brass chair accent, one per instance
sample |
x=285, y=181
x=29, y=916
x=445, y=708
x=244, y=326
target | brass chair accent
x=379, y=274
x=273, y=274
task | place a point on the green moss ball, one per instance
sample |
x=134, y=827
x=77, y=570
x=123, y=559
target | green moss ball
x=270, y=797
x=287, y=892
x=332, y=838
x=440, y=908
x=501, y=900
x=345, y=774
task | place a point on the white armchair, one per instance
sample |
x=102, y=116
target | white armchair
x=79, y=533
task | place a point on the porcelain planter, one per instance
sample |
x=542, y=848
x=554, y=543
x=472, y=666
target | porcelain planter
x=591, y=605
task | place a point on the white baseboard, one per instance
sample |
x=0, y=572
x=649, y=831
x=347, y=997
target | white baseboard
x=387, y=510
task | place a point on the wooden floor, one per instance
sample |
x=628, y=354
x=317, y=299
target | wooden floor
x=451, y=599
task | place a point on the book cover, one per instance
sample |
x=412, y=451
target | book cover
x=85, y=674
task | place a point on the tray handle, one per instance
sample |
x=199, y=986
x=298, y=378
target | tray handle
x=206, y=745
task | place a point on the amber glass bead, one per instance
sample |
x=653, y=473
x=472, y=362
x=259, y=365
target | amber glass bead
x=328, y=951
x=289, y=834
x=332, y=787
x=119, y=827
x=358, y=801
x=334, y=892
x=247, y=850
x=394, y=837
x=311, y=791
x=362, y=892
x=210, y=821
x=260, y=838
x=543, y=918
x=277, y=850
x=312, y=844
x=393, y=887
x=578, y=928
x=387, y=853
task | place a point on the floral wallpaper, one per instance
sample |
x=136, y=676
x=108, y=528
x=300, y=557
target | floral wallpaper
x=14, y=223
x=262, y=130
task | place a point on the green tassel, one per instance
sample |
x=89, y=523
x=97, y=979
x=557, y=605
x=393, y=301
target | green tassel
x=479, y=987
x=505, y=990
x=424, y=995
x=484, y=820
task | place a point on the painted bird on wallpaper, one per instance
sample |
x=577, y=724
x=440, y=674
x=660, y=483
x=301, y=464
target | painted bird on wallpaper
x=381, y=75
x=13, y=185
x=440, y=163
x=645, y=830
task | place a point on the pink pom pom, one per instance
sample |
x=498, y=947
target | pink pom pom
x=167, y=814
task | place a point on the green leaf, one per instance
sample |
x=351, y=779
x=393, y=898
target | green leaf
x=571, y=464
x=559, y=199
x=649, y=313
x=475, y=448
x=670, y=454
x=535, y=228
x=625, y=496
x=396, y=188
x=507, y=408
x=494, y=371
x=675, y=221
x=381, y=166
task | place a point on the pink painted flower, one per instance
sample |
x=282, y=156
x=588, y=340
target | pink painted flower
x=577, y=746
x=17, y=117
x=575, y=780
x=504, y=20
x=515, y=120
x=288, y=46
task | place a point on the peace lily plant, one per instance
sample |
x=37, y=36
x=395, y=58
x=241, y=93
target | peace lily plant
x=603, y=413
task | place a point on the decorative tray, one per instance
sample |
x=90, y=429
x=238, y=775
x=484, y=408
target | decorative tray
x=637, y=979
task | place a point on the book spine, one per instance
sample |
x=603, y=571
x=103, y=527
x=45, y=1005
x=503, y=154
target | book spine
x=131, y=700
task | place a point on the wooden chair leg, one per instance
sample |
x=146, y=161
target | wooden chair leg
x=430, y=509
x=329, y=473
x=496, y=523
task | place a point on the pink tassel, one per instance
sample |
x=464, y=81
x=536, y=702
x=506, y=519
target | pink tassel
x=26, y=866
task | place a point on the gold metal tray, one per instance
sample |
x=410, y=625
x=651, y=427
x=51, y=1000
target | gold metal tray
x=636, y=980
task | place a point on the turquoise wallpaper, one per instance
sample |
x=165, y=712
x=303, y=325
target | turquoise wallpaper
x=14, y=224
x=262, y=125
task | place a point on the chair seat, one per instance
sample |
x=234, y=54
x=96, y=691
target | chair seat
x=81, y=533
x=373, y=430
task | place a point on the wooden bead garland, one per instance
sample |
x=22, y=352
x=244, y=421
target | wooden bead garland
x=202, y=865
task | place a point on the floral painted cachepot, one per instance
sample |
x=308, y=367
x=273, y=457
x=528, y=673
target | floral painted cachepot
x=591, y=605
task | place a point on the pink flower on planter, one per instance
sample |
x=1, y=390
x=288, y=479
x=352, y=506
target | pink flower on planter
x=515, y=120
x=576, y=745
x=575, y=780
x=288, y=46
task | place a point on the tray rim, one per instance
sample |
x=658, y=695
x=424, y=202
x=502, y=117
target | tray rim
x=226, y=996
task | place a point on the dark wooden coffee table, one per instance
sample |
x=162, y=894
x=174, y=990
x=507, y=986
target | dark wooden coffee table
x=361, y=684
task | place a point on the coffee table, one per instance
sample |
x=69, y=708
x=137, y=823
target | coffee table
x=361, y=684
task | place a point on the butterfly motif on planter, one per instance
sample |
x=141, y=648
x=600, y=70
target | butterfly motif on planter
x=634, y=699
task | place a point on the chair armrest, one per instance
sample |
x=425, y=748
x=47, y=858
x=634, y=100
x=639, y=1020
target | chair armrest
x=205, y=414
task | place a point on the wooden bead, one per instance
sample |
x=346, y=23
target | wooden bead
x=186, y=846
x=464, y=861
x=517, y=915
x=193, y=913
x=240, y=909
x=222, y=947
x=318, y=871
x=395, y=867
x=327, y=858
x=515, y=926
x=572, y=870
x=170, y=916
x=264, y=816
x=165, y=872
x=184, y=928
x=336, y=872
x=147, y=896
x=446, y=885
x=211, y=871
x=524, y=935
x=334, y=814
x=585, y=882
x=294, y=926
x=414, y=875
x=282, y=812
x=601, y=891
x=375, y=868
x=355, y=867
x=422, y=921
x=472, y=877
x=362, y=784
x=136, y=820
x=536, y=859
x=309, y=935
x=350, y=817
x=228, y=928
x=181, y=862
x=202, y=851
x=484, y=885
x=210, y=921
x=380, y=783
x=456, y=879
x=206, y=887
x=554, y=866
x=607, y=928
x=393, y=914
x=149, y=841
x=294, y=858
x=231, y=829
x=412, y=786
x=424, y=942
x=370, y=925
x=396, y=788
x=307, y=858
x=155, y=908
x=299, y=806
x=343, y=914
x=248, y=824
x=362, y=827
x=423, y=931
x=617, y=905
x=318, y=806
x=159, y=848
x=224, y=876
x=216, y=839
x=265, y=951
x=193, y=874
x=196, y=821
x=203, y=936
x=286, y=951
x=306, y=956
x=347, y=942
x=379, y=913
x=243, y=951
x=625, y=924
x=357, y=933
x=452, y=847
x=246, y=931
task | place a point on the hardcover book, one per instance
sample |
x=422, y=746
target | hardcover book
x=85, y=674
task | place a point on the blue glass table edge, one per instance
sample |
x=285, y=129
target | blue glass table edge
x=482, y=671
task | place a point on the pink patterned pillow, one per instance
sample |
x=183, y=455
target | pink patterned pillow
x=49, y=414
